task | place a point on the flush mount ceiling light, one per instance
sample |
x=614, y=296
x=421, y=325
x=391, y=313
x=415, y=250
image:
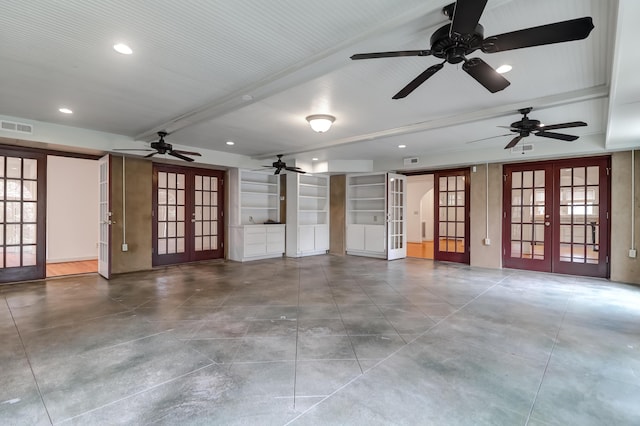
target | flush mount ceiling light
x=230, y=143
x=122, y=48
x=502, y=69
x=314, y=159
x=321, y=122
x=65, y=110
x=402, y=146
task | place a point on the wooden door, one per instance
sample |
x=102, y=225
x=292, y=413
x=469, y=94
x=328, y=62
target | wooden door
x=188, y=214
x=22, y=215
x=556, y=216
x=451, y=233
x=527, y=217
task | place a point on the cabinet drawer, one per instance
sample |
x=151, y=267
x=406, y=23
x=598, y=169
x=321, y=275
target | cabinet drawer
x=255, y=238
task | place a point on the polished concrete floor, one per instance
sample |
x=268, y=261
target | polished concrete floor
x=324, y=340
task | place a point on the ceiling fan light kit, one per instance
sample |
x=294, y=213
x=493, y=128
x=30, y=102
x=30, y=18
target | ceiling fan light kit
x=464, y=35
x=320, y=123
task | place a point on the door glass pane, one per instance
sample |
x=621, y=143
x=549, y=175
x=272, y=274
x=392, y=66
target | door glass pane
x=14, y=167
x=527, y=221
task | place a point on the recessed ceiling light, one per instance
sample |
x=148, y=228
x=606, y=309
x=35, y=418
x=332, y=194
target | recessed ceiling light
x=65, y=110
x=122, y=48
x=230, y=143
x=314, y=159
x=402, y=146
x=504, y=68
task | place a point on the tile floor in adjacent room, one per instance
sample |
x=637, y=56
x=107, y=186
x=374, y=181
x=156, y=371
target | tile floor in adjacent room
x=324, y=340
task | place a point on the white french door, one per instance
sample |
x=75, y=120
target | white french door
x=396, y=216
x=104, y=245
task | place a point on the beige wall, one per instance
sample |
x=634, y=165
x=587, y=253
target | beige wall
x=337, y=223
x=482, y=255
x=138, y=179
x=624, y=268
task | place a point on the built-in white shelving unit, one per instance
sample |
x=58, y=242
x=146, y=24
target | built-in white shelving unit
x=254, y=231
x=376, y=213
x=307, y=214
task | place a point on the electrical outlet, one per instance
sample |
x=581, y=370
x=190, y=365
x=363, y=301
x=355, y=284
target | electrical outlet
x=487, y=241
x=375, y=218
x=125, y=247
x=633, y=253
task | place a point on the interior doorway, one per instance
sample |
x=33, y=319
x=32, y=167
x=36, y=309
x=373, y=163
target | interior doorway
x=420, y=218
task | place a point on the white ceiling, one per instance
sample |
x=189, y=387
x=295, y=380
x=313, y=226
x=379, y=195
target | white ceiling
x=251, y=71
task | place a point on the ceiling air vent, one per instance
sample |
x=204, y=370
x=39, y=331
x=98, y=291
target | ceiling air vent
x=12, y=126
x=410, y=161
x=522, y=149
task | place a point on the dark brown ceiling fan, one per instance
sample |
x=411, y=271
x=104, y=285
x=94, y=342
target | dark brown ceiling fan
x=526, y=126
x=281, y=165
x=464, y=35
x=162, y=147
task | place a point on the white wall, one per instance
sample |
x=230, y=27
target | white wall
x=426, y=212
x=417, y=187
x=72, y=209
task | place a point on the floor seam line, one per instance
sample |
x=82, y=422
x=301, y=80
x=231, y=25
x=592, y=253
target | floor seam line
x=26, y=354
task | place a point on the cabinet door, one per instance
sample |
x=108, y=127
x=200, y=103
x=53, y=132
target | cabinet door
x=306, y=238
x=275, y=239
x=255, y=241
x=355, y=237
x=374, y=238
x=321, y=237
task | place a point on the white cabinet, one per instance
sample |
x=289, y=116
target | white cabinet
x=307, y=214
x=253, y=242
x=375, y=218
x=254, y=212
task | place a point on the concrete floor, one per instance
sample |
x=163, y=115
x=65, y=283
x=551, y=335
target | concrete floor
x=322, y=340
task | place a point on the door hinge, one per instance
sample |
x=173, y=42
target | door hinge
x=606, y=260
x=221, y=245
x=221, y=213
x=504, y=215
x=608, y=171
x=505, y=178
x=504, y=252
x=607, y=215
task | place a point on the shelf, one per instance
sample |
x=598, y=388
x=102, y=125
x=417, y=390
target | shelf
x=259, y=208
x=313, y=197
x=273, y=194
x=312, y=211
x=367, y=199
x=313, y=185
x=255, y=182
x=365, y=211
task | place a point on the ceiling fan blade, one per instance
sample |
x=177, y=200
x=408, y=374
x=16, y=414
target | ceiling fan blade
x=179, y=151
x=278, y=170
x=150, y=155
x=295, y=169
x=513, y=142
x=564, y=125
x=418, y=81
x=391, y=54
x=559, y=32
x=465, y=18
x=180, y=156
x=560, y=136
x=133, y=149
x=490, y=137
x=485, y=75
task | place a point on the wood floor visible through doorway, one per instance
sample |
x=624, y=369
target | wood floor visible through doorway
x=71, y=268
x=422, y=250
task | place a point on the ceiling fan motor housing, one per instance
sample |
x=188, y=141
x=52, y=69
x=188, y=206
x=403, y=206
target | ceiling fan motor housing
x=454, y=51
